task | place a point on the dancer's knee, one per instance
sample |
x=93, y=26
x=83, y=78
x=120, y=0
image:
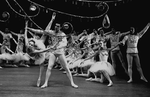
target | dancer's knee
x=130, y=67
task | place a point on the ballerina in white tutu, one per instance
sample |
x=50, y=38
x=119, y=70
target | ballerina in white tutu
x=21, y=57
x=103, y=66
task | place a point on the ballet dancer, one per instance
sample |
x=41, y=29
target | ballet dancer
x=6, y=40
x=60, y=39
x=115, y=38
x=103, y=66
x=22, y=57
x=132, y=51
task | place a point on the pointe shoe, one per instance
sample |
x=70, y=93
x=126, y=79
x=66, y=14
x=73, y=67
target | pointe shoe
x=64, y=72
x=74, y=85
x=129, y=81
x=94, y=79
x=89, y=79
x=76, y=74
x=43, y=86
x=144, y=79
x=38, y=83
x=27, y=66
x=110, y=84
x=14, y=66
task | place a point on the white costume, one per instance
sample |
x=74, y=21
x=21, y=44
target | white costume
x=132, y=42
x=103, y=64
x=39, y=57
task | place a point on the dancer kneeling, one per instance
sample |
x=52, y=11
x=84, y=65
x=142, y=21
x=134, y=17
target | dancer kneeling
x=103, y=67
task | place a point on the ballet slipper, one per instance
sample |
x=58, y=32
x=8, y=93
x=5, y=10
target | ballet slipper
x=61, y=69
x=74, y=85
x=110, y=84
x=82, y=75
x=27, y=66
x=144, y=79
x=15, y=66
x=43, y=86
x=94, y=79
x=76, y=74
x=64, y=72
x=129, y=81
x=89, y=79
x=38, y=83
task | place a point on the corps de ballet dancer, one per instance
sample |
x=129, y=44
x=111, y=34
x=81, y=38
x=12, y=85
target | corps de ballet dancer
x=103, y=66
x=114, y=39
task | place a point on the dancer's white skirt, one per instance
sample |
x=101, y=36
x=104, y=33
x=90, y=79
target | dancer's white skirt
x=103, y=65
x=87, y=63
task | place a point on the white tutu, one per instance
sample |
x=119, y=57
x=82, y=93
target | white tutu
x=39, y=59
x=103, y=65
x=87, y=63
x=25, y=57
x=7, y=56
x=70, y=65
x=77, y=63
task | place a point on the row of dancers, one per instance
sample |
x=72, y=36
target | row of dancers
x=72, y=56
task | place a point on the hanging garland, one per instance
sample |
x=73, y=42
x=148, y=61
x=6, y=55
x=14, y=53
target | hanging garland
x=25, y=15
x=14, y=3
x=94, y=1
x=106, y=22
x=100, y=4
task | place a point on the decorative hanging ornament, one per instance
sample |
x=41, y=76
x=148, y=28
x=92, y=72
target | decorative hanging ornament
x=5, y=16
x=33, y=10
x=32, y=7
x=106, y=22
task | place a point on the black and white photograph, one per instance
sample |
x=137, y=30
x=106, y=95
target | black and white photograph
x=74, y=48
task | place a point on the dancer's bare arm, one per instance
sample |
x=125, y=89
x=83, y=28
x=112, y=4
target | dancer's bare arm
x=125, y=33
x=109, y=49
x=25, y=34
x=141, y=33
x=15, y=41
x=14, y=33
x=2, y=33
x=9, y=49
x=50, y=23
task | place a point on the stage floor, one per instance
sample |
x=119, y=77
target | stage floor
x=21, y=82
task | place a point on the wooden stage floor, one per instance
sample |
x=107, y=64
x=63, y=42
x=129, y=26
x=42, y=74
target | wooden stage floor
x=21, y=82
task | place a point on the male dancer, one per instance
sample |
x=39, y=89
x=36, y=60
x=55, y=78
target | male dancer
x=60, y=39
x=114, y=39
x=132, y=51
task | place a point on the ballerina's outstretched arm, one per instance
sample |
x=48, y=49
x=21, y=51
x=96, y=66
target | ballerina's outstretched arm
x=15, y=41
x=14, y=33
x=31, y=33
x=9, y=50
x=25, y=34
x=110, y=32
